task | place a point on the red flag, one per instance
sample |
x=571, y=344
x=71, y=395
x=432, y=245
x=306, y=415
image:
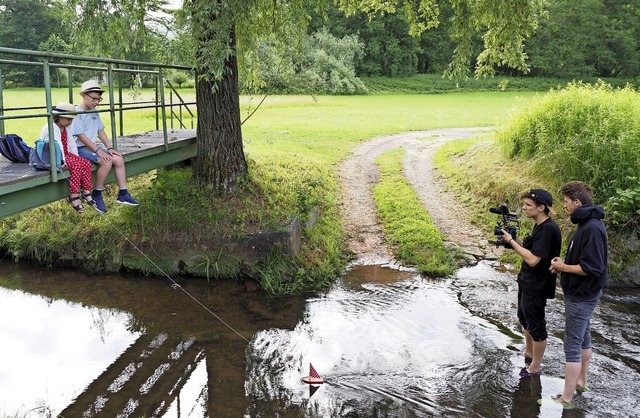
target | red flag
x=313, y=372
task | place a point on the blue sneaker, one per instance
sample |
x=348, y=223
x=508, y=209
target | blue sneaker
x=126, y=199
x=98, y=203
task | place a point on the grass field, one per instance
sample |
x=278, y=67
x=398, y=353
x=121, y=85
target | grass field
x=325, y=126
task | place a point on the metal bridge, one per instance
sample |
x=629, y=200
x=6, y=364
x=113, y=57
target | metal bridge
x=23, y=188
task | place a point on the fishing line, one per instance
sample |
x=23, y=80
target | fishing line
x=174, y=284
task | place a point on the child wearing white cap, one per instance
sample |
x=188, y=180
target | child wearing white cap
x=79, y=168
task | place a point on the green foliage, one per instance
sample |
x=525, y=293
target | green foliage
x=27, y=24
x=181, y=79
x=588, y=133
x=328, y=66
x=389, y=49
x=398, y=38
x=506, y=24
x=123, y=29
x=407, y=226
x=588, y=37
x=432, y=83
x=320, y=64
x=583, y=132
x=623, y=208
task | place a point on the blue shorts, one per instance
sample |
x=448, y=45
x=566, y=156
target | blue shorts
x=87, y=154
x=577, y=329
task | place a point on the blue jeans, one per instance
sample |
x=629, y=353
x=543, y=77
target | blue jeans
x=577, y=328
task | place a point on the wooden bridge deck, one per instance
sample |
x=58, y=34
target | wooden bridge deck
x=22, y=187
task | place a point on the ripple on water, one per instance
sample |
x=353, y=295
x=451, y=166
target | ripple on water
x=395, y=343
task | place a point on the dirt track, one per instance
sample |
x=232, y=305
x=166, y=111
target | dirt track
x=358, y=173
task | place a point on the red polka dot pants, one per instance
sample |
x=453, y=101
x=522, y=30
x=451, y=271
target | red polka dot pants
x=80, y=169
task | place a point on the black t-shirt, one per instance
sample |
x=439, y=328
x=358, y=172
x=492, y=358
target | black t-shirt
x=544, y=242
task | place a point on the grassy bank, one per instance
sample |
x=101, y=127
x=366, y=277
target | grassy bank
x=584, y=132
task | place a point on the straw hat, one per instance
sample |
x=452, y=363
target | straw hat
x=89, y=86
x=63, y=108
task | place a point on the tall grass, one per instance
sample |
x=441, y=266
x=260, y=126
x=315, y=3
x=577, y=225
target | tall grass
x=584, y=132
x=436, y=83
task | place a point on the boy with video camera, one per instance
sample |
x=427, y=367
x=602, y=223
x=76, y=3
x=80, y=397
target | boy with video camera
x=536, y=283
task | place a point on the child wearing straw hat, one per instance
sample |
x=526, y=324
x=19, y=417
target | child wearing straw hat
x=95, y=146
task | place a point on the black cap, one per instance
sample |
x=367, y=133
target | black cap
x=541, y=197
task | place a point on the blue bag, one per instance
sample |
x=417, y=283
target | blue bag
x=39, y=157
x=14, y=149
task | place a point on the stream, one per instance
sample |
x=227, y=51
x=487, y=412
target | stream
x=387, y=342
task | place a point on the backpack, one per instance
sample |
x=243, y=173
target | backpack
x=14, y=149
x=40, y=157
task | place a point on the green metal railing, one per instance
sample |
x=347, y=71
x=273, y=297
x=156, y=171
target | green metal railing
x=113, y=68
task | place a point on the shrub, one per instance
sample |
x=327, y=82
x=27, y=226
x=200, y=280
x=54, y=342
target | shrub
x=583, y=132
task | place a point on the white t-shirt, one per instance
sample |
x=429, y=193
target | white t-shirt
x=88, y=124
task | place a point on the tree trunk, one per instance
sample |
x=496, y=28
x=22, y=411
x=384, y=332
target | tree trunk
x=220, y=160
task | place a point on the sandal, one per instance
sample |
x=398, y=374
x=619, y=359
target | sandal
x=90, y=201
x=582, y=388
x=78, y=208
x=561, y=401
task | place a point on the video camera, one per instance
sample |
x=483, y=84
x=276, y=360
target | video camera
x=509, y=223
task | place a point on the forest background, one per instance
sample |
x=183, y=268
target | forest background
x=586, y=39
x=342, y=55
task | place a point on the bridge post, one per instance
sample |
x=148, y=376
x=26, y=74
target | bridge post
x=163, y=109
x=46, y=69
x=112, y=111
x=1, y=103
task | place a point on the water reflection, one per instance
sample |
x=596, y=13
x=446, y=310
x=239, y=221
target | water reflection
x=388, y=343
x=51, y=349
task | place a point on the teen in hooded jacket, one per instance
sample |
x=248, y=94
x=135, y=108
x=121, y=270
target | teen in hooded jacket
x=583, y=275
